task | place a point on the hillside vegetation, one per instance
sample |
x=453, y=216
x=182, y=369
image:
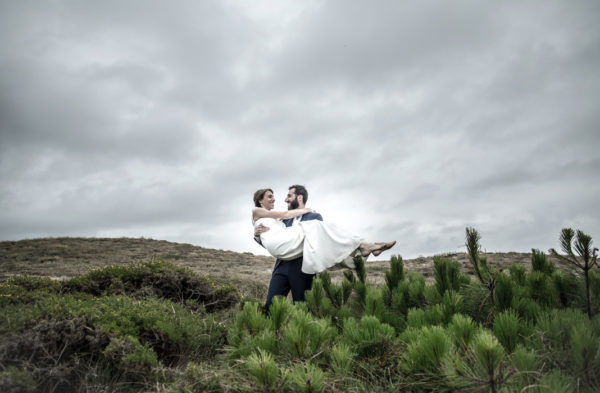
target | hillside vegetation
x=138, y=315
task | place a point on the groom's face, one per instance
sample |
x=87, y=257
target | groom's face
x=292, y=199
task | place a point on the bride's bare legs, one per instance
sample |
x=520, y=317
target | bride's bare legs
x=374, y=248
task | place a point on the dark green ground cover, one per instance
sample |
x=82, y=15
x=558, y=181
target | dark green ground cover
x=155, y=327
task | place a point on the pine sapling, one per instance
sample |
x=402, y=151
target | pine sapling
x=587, y=256
x=486, y=277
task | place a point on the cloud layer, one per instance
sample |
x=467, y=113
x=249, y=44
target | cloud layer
x=406, y=121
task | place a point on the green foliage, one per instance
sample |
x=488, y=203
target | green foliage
x=594, y=282
x=427, y=351
x=396, y=273
x=263, y=370
x=482, y=368
x=569, y=291
x=13, y=379
x=541, y=289
x=487, y=277
x=447, y=275
x=156, y=279
x=452, y=303
x=244, y=332
x=571, y=342
x=306, y=378
x=367, y=337
x=128, y=356
x=509, y=329
x=587, y=256
x=518, y=274
x=279, y=313
x=316, y=301
x=143, y=328
x=539, y=262
x=503, y=295
x=305, y=336
x=556, y=382
x=527, y=363
x=462, y=329
x=584, y=353
x=374, y=303
x=527, y=308
x=342, y=359
x=477, y=302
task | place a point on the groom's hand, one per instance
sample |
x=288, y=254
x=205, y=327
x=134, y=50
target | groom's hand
x=260, y=229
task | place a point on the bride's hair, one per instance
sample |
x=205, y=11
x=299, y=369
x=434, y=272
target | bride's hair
x=260, y=194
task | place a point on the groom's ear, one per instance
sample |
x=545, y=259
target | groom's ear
x=300, y=199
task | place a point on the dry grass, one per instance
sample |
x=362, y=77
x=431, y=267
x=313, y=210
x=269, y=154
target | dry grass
x=66, y=257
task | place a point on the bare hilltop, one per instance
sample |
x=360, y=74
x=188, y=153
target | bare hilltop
x=66, y=257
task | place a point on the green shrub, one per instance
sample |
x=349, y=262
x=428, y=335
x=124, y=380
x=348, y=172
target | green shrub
x=316, y=301
x=556, y=382
x=509, y=329
x=367, y=337
x=416, y=318
x=305, y=336
x=126, y=355
x=374, y=303
x=477, y=302
x=446, y=274
x=427, y=351
x=396, y=273
x=452, y=303
x=540, y=288
x=279, y=313
x=13, y=379
x=462, y=328
x=518, y=274
x=569, y=289
x=481, y=369
x=594, y=278
x=539, y=262
x=416, y=290
x=243, y=332
x=342, y=359
x=527, y=363
x=263, y=370
x=527, y=308
x=307, y=378
x=584, y=353
x=503, y=294
x=155, y=279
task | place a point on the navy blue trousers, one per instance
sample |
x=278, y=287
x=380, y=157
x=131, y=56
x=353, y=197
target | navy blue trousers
x=287, y=276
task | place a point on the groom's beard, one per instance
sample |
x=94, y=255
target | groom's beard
x=293, y=204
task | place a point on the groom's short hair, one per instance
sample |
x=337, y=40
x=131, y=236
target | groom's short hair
x=300, y=190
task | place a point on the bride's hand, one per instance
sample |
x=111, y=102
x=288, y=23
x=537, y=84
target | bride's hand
x=260, y=229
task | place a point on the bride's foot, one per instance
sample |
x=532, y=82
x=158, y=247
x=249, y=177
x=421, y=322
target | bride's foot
x=383, y=247
x=367, y=249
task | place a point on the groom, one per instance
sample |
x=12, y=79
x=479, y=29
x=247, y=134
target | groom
x=287, y=275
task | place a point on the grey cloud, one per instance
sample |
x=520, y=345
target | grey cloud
x=416, y=119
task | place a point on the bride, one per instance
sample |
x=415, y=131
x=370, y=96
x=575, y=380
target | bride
x=322, y=245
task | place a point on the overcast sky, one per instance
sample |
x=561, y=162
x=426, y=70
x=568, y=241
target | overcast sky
x=404, y=120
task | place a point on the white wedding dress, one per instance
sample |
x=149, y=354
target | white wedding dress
x=322, y=245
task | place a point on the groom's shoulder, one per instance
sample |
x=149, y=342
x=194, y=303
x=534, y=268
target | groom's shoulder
x=312, y=216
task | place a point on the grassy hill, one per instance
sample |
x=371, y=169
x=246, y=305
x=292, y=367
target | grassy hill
x=143, y=315
x=66, y=257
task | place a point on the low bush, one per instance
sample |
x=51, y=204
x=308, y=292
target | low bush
x=155, y=279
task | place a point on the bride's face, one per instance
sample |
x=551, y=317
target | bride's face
x=268, y=201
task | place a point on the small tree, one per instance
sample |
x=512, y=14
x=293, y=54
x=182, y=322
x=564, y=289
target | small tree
x=486, y=277
x=588, y=256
